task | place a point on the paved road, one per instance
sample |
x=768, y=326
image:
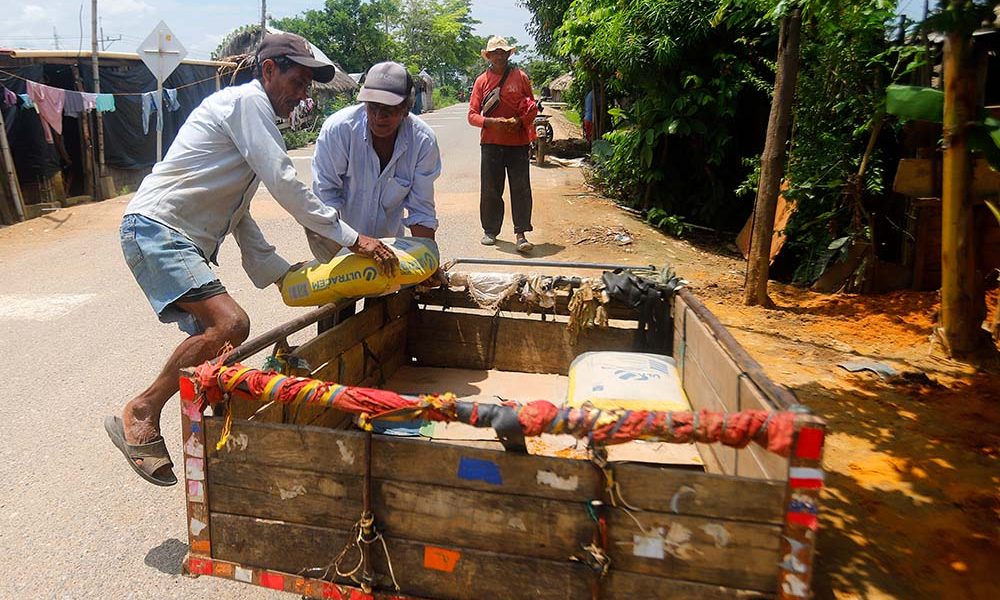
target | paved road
x=79, y=339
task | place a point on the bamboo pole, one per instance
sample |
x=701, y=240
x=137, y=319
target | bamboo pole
x=958, y=323
x=772, y=161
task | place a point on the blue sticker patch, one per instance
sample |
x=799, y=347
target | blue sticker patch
x=475, y=469
x=195, y=427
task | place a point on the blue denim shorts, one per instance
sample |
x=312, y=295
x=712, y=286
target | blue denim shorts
x=167, y=265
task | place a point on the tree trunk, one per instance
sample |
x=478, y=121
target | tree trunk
x=959, y=325
x=772, y=161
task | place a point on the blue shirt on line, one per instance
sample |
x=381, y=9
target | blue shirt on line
x=347, y=175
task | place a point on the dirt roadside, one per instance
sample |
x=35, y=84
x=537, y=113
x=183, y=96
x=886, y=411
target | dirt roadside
x=912, y=498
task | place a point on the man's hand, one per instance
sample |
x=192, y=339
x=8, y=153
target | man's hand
x=507, y=124
x=384, y=257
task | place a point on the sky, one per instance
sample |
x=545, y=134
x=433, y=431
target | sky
x=199, y=25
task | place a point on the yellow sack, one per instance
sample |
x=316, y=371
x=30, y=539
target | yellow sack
x=351, y=276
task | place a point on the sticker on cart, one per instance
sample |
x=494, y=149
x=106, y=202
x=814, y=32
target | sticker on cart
x=441, y=559
x=475, y=469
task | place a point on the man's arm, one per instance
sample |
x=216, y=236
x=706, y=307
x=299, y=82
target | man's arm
x=421, y=214
x=253, y=131
x=329, y=165
x=528, y=118
x=260, y=260
x=476, y=118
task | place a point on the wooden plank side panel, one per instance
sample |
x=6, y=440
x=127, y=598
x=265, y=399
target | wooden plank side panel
x=415, y=461
x=461, y=341
x=727, y=553
x=461, y=574
x=334, y=341
x=530, y=346
x=758, y=461
x=703, y=395
x=423, y=512
x=721, y=372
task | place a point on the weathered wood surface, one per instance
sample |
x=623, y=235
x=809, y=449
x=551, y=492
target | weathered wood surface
x=446, y=572
x=515, y=504
x=324, y=351
x=713, y=380
x=460, y=299
x=417, y=461
x=921, y=178
x=472, y=341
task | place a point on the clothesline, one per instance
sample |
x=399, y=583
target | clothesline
x=180, y=87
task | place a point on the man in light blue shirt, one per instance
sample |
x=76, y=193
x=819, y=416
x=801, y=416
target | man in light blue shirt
x=375, y=163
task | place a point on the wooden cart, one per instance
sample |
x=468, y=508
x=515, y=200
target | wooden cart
x=280, y=501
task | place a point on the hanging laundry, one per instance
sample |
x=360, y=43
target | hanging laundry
x=9, y=97
x=26, y=100
x=89, y=101
x=73, y=105
x=170, y=99
x=49, y=103
x=105, y=103
x=148, y=107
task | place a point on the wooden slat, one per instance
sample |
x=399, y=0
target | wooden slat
x=740, y=555
x=721, y=372
x=460, y=299
x=546, y=346
x=326, y=347
x=423, y=512
x=471, y=341
x=921, y=177
x=773, y=466
x=460, y=341
x=702, y=395
x=417, y=461
x=474, y=575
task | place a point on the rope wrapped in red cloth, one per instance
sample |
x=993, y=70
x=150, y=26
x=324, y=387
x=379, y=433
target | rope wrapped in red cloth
x=772, y=430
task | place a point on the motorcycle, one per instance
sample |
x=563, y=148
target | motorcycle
x=544, y=135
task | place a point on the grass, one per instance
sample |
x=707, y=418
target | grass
x=573, y=117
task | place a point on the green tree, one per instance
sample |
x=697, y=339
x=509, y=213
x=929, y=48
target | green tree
x=355, y=33
x=436, y=35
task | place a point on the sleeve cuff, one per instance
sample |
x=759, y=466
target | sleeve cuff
x=269, y=271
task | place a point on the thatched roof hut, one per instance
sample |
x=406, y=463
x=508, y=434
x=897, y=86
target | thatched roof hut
x=241, y=44
x=559, y=85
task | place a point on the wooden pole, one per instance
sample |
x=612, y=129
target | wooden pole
x=772, y=161
x=87, y=156
x=105, y=186
x=10, y=173
x=959, y=324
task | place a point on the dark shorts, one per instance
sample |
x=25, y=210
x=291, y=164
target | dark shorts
x=168, y=268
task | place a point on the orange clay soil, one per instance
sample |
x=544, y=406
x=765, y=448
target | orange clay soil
x=912, y=503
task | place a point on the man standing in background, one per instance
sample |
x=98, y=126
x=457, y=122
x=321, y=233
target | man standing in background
x=503, y=105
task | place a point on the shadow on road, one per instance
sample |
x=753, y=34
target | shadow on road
x=167, y=557
x=539, y=251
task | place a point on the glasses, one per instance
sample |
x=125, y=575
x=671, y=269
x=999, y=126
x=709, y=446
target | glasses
x=384, y=110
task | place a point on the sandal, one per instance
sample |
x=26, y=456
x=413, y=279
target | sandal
x=144, y=459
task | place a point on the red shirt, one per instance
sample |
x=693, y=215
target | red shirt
x=516, y=90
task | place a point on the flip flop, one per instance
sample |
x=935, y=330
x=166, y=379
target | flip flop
x=144, y=459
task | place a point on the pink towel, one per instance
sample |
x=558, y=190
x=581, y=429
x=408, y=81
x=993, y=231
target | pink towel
x=49, y=102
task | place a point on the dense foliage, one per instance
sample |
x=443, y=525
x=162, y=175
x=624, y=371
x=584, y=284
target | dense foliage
x=680, y=83
x=688, y=86
x=431, y=35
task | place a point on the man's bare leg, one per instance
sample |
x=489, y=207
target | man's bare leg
x=224, y=322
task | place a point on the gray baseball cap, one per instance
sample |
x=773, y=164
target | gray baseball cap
x=386, y=83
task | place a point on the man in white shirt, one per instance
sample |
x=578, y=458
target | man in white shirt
x=193, y=199
x=374, y=161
